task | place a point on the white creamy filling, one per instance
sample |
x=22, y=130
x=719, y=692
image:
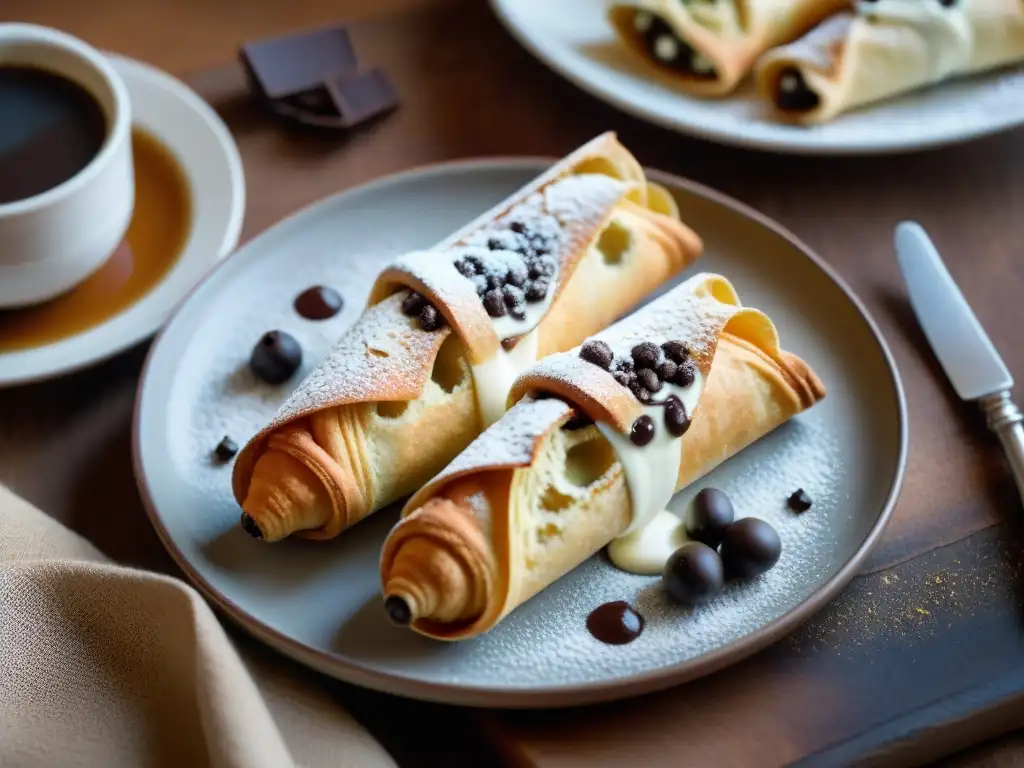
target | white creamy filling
x=651, y=470
x=493, y=378
x=645, y=551
x=946, y=31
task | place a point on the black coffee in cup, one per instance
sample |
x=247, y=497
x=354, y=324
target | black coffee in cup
x=50, y=128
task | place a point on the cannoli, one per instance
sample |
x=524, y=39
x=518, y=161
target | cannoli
x=446, y=331
x=707, y=46
x=597, y=441
x=885, y=48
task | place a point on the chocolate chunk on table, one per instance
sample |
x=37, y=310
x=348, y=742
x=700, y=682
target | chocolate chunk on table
x=291, y=64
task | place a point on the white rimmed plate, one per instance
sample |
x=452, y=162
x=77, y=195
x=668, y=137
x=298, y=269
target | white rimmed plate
x=189, y=128
x=320, y=602
x=574, y=39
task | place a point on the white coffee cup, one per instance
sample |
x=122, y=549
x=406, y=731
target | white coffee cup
x=52, y=241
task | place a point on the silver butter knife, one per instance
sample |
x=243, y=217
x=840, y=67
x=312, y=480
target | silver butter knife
x=965, y=351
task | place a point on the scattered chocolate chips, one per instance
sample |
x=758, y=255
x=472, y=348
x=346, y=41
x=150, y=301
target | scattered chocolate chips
x=226, y=449
x=643, y=430
x=676, y=419
x=708, y=515
x=597, y=352
x=536, y=289
x=693, y=574
x=430, y=318
x=685, y=374
x=646, y=355
x=318, y=303
x=276, y=357
x=676, y=351
x=750, y=547
x=667, y=371
x=615, y=623
x=544, y=266
x=799, y=501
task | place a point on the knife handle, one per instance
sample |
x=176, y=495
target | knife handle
x=1005, y=419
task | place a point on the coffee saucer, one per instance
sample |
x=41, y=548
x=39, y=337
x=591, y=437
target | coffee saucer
x=200, y=151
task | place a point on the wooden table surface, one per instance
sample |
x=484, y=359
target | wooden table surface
x=930, y=634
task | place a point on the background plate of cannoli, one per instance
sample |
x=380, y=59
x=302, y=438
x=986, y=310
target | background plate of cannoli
x=521, y=432
x=799, y=76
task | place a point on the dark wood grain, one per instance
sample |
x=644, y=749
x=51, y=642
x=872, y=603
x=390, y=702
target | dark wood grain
x=902, y=668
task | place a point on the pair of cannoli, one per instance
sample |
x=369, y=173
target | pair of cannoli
x=419, y=388
x=815, y=59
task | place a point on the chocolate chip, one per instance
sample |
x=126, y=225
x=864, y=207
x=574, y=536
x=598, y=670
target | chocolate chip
x=318, y=303
x=799, y=501
x=646, y=355
x=518, y=227
x=676, y=419
x=510, y=343
x=480, y=284
x=413, y=304
x=514, y=297
x=276, y=357
x=749, y=548
x=493, y=281
x=685, y=374
x=708, y=515
x=475, y=262
x=494, y=303
x=623, y=364
x=622, y=377
x=643, y=430
x=676, y=351
x=667, y=371
x=430, y=318
x=649, y=380
x=693, y=574
x=465, y=267
x=226, y=449
x=517, y=275
x=517, y=311
x=544, y=266
x=398, y=610
x=597, y=352
x=249, y=526
x=536, y=290
x=640, y=392
x=496, y=244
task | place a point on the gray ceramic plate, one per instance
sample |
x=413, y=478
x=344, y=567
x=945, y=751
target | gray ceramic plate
x=319, y=603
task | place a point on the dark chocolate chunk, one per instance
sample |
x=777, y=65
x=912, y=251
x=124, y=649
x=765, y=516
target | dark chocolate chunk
x=799, y=501
x=517, y=311
x=685, y=374
x=536, y=289
x=642, y=431
x=597, y=352
x=676, y=419
x=510, y=343
x=648, y=380
x=249, y=526
x=623, y=364
x=494, y=303
x=413, y=304
x=514, y=297
x=518, y=227
x=493, y=281
x=226, y=449
x=749, y=548
x=293, y=63
x=622, y=377
x=475, y=262
x=276, y=357
x=430, y=318
x=640, y=392
x=693, y=574
x=543, y=266
x=465, y=267
x=318, y=303
x=667, y=371
x=792, y=94
x=615, y=623
x=708, y=515
x=360, y=97
x=646, y=355
x=676, y=351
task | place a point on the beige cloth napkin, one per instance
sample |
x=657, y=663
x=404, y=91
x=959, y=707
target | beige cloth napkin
x=103, y=666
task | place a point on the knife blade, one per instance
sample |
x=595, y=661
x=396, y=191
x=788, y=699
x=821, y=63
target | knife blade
x=967, y=355
x=965, y=351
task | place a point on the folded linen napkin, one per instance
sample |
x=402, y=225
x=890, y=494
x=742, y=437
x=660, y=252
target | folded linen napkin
x=107, y=666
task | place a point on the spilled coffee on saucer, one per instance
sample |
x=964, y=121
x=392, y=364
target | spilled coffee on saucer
x=50, y=129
